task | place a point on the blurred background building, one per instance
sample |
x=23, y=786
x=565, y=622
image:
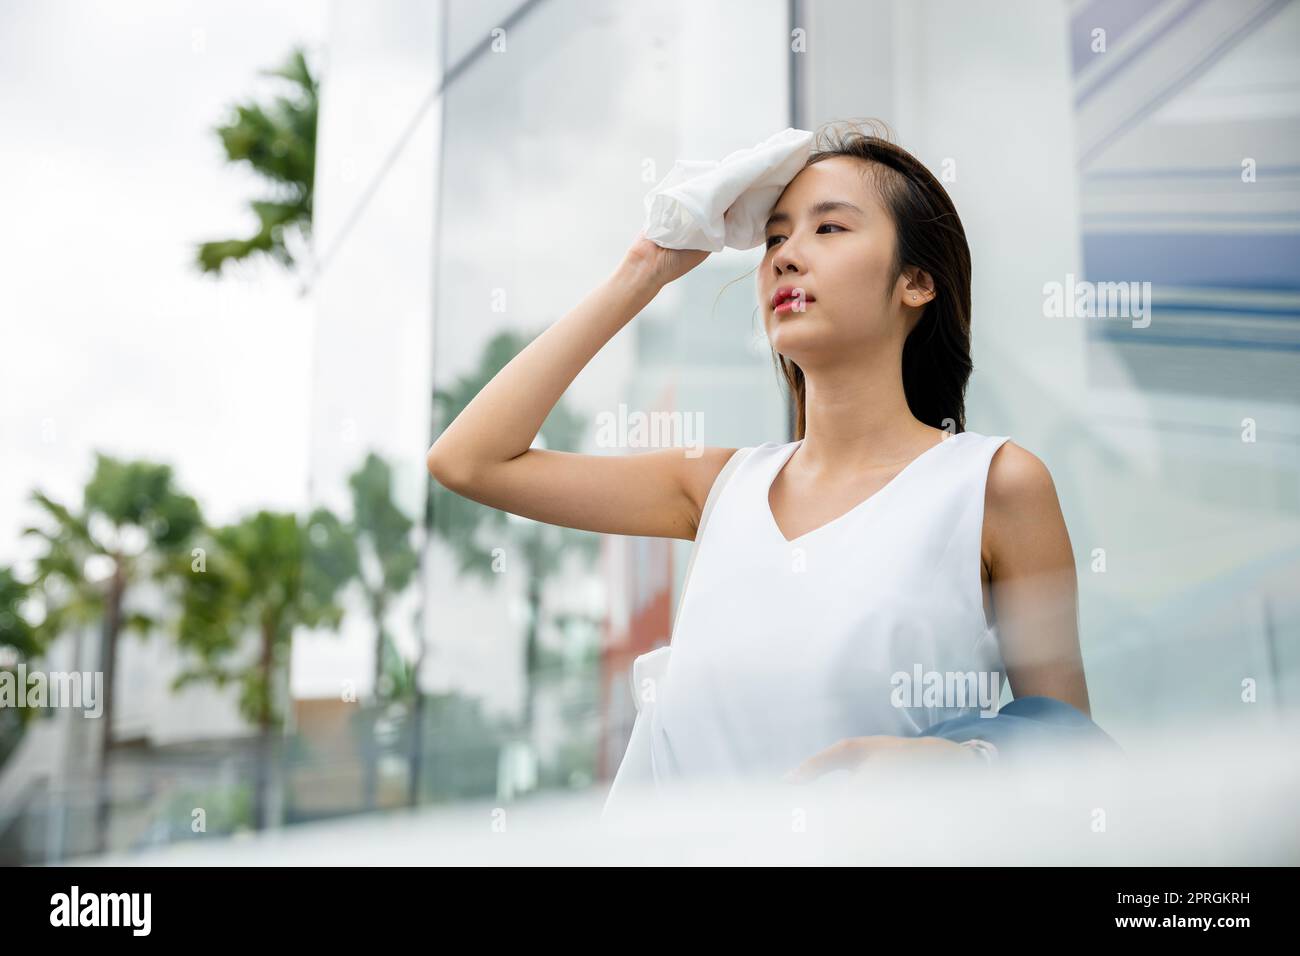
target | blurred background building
x=480, y=167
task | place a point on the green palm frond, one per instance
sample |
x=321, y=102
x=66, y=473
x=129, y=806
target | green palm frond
x=16, y=631
x=263, y=577
x=277, y=140
x=67, y=526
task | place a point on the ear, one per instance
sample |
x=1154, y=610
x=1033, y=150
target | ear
x=919, y=289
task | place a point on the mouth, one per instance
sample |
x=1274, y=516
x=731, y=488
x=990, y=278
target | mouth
x=789, y=298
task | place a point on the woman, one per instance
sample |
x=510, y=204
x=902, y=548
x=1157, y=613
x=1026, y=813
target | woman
x=833, y=612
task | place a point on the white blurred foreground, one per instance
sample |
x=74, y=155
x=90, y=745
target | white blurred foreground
x=1198, y=799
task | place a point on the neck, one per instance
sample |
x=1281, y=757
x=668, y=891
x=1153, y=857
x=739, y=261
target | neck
x=856, y=416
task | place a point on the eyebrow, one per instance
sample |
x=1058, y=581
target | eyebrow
x=816, y=209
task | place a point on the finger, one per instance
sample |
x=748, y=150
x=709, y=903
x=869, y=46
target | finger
x=843, y=754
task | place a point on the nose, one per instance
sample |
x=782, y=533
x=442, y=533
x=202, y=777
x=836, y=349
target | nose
x=785, y=259
x=788, y=259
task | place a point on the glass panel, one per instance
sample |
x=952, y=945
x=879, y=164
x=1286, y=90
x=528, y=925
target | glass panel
x=551, y=143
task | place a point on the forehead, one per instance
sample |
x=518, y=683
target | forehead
x=838, y=177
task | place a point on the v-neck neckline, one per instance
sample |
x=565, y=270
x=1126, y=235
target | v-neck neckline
x=784, y=459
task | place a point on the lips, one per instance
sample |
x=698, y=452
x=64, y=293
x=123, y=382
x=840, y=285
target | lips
x=787, y=295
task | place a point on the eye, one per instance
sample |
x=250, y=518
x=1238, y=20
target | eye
x=819, y=229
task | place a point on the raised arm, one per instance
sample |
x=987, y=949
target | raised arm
x=484, y=453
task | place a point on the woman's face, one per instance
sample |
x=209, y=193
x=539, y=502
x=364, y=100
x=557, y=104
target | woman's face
x=840, y=256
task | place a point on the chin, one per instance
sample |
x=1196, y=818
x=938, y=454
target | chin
x=792, y=340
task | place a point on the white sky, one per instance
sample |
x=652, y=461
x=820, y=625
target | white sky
x=109, y=175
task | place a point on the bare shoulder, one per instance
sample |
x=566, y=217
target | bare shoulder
x=1023, y=523
x=1018, y=478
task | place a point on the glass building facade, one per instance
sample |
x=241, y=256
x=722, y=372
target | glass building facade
x=532, y=132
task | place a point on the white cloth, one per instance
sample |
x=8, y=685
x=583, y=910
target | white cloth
x=635, y=773
x=649, y=671
x=782, y=648
x=716, y=204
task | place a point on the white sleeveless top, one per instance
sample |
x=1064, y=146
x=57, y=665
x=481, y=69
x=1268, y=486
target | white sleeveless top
x=872, y=623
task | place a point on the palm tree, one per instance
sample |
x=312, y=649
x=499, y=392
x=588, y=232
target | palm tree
x=266, y=575
x=461, y=521
x=19, y=641
x=387, y=564
x=132, y=523
x=278, y=141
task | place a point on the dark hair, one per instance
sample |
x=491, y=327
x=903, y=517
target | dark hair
x=936, y=353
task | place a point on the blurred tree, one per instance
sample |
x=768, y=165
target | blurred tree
x=266, y=575
x=278, y=141
x=133, y=522
x=386, y=567
x=18, y=639
x=474, y=530
x=19, y=642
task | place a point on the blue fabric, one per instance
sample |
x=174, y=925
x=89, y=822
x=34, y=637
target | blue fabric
x=1029, y=726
